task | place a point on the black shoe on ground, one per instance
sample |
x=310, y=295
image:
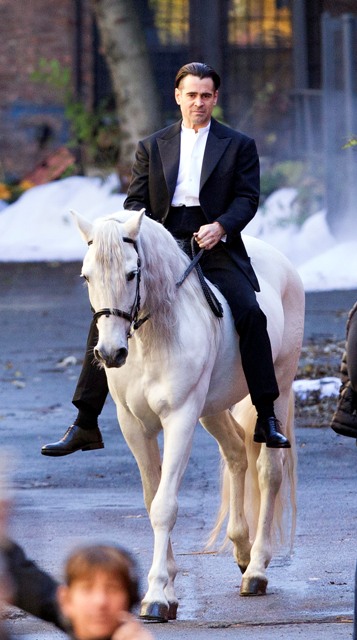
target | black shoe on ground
x=268, y=430
x=73, y=440
x=344, y=420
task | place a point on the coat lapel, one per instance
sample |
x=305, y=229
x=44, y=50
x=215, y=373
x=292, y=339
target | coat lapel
x=215, y=147
x=169, y=149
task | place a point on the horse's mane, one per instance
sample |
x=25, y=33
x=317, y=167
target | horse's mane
x=162, y=263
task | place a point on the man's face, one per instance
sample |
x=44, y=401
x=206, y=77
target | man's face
x=93, y=605
x=196, y=97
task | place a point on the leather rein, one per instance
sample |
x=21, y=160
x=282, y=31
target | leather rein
x=211, y=299
x=133, y=316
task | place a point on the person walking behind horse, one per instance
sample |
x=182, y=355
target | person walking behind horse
x=344, y=420
x=200, y=179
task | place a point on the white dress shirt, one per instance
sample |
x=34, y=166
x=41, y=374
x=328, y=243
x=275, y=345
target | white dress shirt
x=193, y=144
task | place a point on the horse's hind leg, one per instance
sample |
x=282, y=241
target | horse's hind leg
x=230, y=437
x=269, y=467
x=270, y=463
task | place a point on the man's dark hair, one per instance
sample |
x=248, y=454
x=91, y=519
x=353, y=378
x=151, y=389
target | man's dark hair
x=199, y=69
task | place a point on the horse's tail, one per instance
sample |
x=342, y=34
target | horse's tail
x=246, y=415
x=223, y=509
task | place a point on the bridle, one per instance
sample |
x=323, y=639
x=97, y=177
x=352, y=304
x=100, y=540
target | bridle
x=133, y=316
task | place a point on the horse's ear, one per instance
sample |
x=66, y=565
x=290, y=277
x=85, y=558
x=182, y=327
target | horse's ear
x=133, y=224
x=84, y=226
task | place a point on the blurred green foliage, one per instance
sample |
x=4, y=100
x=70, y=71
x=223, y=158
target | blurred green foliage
x=352, y=142
x=96, y=130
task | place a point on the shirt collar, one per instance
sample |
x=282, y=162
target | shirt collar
x=200, y=131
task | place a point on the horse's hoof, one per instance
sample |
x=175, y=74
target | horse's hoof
x=253, y=587
x=173, y=610
x=155, y=612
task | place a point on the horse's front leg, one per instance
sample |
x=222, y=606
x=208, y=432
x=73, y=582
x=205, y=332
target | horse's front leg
x=178, y=434
x=270, y=472
x=230, y=437
x=144, y=447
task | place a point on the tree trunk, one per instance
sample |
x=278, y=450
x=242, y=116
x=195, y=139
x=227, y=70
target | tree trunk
x=137, y=100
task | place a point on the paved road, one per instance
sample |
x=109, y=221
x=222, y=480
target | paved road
x=95, y=495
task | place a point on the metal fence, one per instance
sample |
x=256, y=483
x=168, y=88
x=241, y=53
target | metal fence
x=307, y=124
x=339, y=117
x=325, y=120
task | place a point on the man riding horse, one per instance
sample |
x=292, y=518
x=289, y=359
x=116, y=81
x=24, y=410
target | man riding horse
x=200, y=179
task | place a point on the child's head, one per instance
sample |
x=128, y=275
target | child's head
x=100, y=583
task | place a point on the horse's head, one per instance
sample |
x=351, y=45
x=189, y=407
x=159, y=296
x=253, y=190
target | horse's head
x=111, y=269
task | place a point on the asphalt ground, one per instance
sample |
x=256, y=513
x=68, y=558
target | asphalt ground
x=96, y=495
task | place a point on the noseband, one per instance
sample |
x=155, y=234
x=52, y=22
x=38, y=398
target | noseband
x=133, y=315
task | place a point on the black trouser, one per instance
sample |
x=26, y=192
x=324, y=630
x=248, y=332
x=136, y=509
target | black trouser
x=92, y=387
x=250, y=322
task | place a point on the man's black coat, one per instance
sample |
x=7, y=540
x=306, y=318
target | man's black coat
x=229, y=186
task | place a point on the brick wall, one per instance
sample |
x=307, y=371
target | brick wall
x=30, y=30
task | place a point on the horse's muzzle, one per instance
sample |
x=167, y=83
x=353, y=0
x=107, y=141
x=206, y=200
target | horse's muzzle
x=111, y=361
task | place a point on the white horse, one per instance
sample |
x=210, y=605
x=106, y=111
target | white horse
x=181, y=365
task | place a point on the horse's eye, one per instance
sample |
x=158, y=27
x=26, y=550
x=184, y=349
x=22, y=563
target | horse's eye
x=130, y=276
x=84, y=277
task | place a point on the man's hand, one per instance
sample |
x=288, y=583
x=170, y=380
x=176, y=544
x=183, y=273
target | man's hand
x=209, y=235
x=130, y=628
